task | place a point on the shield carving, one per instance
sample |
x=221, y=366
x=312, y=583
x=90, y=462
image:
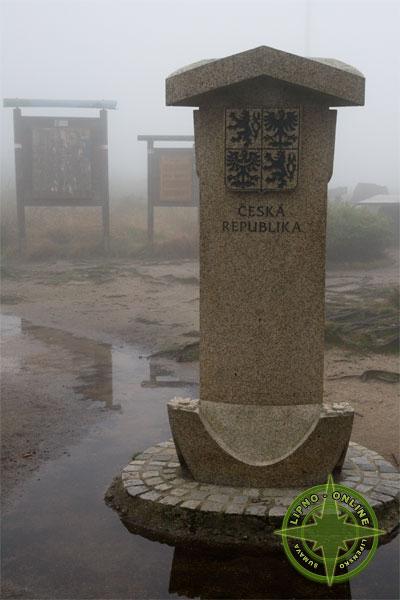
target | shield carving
x=261, y=149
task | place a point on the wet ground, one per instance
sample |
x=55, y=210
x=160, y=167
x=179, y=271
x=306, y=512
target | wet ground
x=59, y=538
x=80, y=397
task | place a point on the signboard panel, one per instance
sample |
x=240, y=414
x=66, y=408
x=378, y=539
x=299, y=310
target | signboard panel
x=63, y=161
x=175, y=179
x=60, y=161
x=171, y=176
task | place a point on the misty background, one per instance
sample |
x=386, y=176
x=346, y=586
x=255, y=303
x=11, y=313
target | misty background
x=124, y=50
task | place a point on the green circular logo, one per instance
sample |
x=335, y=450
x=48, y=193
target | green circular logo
x=330, y=533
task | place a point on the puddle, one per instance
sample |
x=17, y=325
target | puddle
x=10, y=325
x=168, y=373
x=61, y=541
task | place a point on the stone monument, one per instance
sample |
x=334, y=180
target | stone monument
x=264, y=139
x=261, y=432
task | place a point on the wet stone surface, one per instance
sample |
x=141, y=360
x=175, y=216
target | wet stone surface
x=156, y=476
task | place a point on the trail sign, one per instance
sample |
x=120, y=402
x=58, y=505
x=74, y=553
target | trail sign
x=171, y=176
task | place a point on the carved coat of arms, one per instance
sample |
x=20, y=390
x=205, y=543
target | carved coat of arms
x=261, y=149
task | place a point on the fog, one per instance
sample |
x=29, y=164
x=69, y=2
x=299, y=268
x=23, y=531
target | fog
x=125, y=50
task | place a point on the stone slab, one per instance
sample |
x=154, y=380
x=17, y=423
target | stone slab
x=340, y=83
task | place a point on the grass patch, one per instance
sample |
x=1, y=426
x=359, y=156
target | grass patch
x=185, y=280
x=98, y=274
x=4, y=299
x=354, y=234
x=74, y=233
x=367, y=320
x=185, y=353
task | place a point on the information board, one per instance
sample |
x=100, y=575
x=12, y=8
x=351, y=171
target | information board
x=171, y=176
x=61, y=161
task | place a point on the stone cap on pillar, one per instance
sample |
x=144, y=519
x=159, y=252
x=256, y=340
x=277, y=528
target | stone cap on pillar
x=338, y=83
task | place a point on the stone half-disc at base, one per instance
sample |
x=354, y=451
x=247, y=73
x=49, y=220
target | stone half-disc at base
x=240, y=445
x=157, y=501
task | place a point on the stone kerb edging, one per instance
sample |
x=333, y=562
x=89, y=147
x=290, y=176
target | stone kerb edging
x=164, y=504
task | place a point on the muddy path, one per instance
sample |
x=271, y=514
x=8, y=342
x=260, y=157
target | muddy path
x=145, y=304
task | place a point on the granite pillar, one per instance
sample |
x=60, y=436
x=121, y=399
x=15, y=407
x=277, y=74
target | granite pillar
x=264, y=138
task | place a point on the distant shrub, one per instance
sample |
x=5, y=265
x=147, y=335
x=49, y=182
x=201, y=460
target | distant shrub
x=356, y=234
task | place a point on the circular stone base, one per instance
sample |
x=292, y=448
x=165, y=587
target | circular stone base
x=157, y=501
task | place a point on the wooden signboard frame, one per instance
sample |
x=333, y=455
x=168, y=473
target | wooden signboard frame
x=171, y=176
x=92, y=154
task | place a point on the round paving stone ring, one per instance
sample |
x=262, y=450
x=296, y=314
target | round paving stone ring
x=330, y=533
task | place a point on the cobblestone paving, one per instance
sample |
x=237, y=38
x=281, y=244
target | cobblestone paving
x=155, y=476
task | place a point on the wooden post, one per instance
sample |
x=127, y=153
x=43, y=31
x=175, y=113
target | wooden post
x=19, y=180
x=150, y=205
x=105, y=192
